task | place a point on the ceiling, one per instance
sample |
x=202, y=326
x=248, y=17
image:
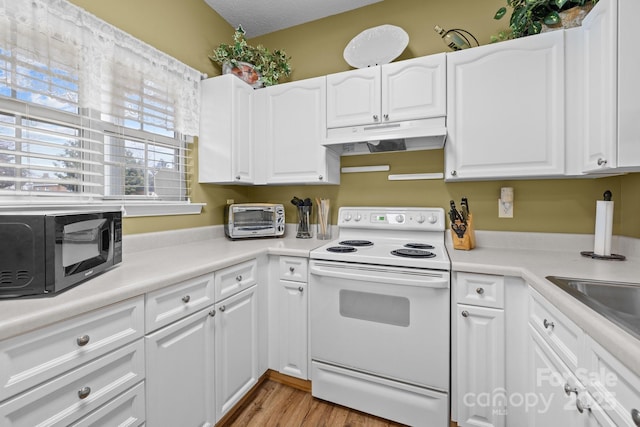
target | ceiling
x=265, y=16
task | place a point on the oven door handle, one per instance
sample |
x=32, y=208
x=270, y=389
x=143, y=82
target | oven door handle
x=370, y=273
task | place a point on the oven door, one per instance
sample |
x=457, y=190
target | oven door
x=387, y=321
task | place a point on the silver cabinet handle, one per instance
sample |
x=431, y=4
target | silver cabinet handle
x=386, y=117
x=239, y=278
x=83, y=340
x=635, y=417
x=84, y=392
x=568, y=389
x=580, y=405
x=465, y=313
x=212, y=313
x=602, y=162
x=454, y=173
x=479, y=291
x=223, y=308
x=320, y=177
x=548, y=324
x=301, y=289
x=186, y=299
x=291, y=269
x=375, y=117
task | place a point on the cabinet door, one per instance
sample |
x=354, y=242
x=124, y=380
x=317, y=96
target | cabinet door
x=179, y=365
x=294, y=124
x=353, y=98
x=601, y=87
x=236, y=344
x=225, y=143
x=505, y=109
x=481, y=366
x=414, y=89
x=293, y=328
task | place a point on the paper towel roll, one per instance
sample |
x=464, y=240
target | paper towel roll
x=604, y=228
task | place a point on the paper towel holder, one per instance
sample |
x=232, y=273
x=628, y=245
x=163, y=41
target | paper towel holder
x=591, y=254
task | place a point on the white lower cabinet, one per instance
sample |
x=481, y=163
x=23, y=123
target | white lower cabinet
x=236, y=348
x=292, y=313
x=74, y=394
x=180, y=372
x=481, y=366
x=596, y=390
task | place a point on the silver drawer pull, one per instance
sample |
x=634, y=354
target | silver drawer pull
x=301, y=289
x=465, y=313
x=635, y=416
x=186, y=299
x=580, y=405
x=83, y=340
x=239, y=278
x=548, y=325
x=479, y=291
x=223, y=308
x=291, y=269
x=212, y=313
x=568, y=389
x=84, y=392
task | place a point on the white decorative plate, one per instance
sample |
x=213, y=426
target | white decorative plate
x=375, y=46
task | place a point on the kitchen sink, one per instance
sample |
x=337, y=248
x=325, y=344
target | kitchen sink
x=617, y=301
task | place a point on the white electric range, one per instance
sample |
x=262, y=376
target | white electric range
x=380, y=314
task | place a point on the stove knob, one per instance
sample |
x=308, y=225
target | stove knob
x=400, y=219
x=433, y=219
x=358, y=217
x=420, y=219
x=347, y=217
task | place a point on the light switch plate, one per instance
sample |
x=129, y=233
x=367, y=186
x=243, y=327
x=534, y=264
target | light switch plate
x=505, y=210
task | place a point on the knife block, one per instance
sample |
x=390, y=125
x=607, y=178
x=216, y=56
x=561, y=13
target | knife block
x=468, y=239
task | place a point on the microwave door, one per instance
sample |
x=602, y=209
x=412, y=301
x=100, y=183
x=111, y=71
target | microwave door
x=84, y=245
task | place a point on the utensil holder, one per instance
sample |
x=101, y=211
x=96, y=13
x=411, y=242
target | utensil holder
x=323, y=231
x=304, y=223
x=467, y=241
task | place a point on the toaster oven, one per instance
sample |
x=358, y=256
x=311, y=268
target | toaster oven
x=245, y=220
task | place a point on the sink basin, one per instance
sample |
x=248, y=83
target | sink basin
x=617, y=301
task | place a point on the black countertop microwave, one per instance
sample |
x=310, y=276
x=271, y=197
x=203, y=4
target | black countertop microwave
x=42, y=253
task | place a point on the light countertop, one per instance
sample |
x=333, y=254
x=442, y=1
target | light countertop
x=157, y=260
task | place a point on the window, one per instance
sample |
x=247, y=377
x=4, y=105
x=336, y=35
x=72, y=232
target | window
x=87, y=112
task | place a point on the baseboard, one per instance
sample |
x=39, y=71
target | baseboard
x=294, y=382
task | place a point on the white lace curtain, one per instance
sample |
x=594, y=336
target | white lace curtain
x=98, y=49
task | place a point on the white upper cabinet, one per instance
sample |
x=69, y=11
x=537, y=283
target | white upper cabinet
x=506, y=109
x=289, y=127
x=225, y=145
x=611, y=89
x=405, y=90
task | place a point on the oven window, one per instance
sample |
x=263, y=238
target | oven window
x=253, y=218
x=81, y=241
x=379, y=308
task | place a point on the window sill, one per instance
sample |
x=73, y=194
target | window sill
x=131, y=209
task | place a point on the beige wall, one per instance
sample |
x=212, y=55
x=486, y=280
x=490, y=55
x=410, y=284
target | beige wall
x=189, y=30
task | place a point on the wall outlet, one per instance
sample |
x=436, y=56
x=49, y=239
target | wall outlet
x=230, y=201
x=505, y=209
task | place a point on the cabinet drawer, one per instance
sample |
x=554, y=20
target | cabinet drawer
x=59, y=402
x=613, y=385
x=177, y=301
x=125, y=410
x=231, y=280
x=480, y=289
x=293, y=268
x=564, y=336
x=35, y=357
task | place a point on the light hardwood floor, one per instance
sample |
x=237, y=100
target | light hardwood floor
x=274, y=404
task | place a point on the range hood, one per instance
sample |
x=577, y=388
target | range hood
x=412, y=135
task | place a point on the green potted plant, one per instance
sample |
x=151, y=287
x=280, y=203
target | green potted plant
x=257, y=65
x=529, y=16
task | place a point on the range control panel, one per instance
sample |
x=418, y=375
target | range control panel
x=426, y=219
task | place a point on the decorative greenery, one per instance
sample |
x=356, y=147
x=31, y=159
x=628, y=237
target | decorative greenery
x=272, y=65
x=529, y=15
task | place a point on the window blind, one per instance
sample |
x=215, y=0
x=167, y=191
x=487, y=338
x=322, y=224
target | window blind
x=88, y=112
